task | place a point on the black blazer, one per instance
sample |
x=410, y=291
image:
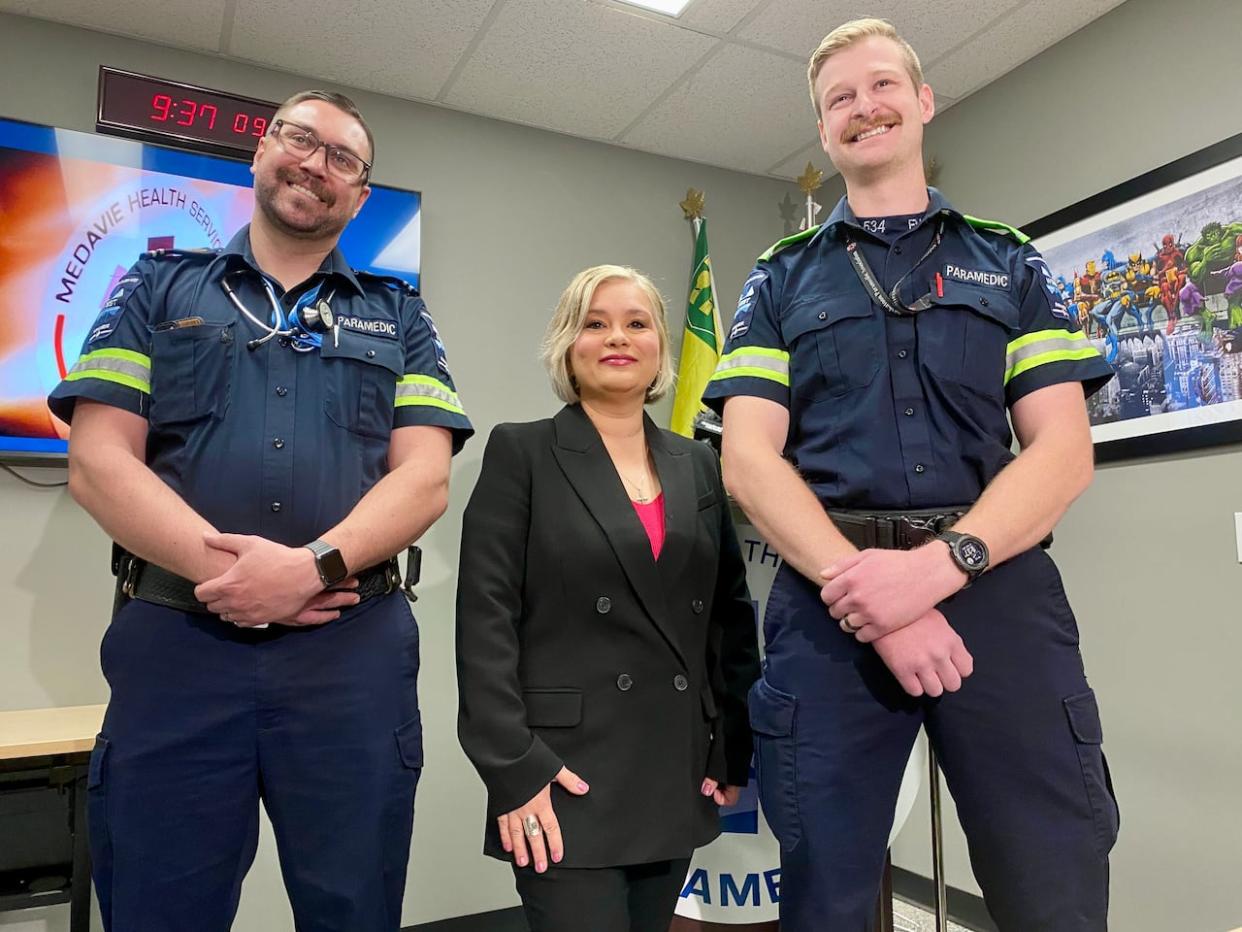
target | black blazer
x=576, y=648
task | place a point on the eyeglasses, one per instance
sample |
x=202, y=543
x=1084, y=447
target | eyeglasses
x=302, y=142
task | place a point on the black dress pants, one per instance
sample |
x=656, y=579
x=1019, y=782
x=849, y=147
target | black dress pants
x=633, y=898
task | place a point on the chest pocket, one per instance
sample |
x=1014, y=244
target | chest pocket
x=191, y=372
x=964, y=336
x=360, y=378
x=834, y=345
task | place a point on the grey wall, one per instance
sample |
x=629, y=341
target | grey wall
x=509, y=215
x=1148, y=553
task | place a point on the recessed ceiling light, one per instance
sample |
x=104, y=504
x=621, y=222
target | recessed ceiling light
x=667, y=7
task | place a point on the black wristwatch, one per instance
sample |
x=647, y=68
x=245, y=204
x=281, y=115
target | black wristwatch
x=968, y=552
x=329, y=563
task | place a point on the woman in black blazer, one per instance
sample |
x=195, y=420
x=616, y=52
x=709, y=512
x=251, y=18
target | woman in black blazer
x=605, y=635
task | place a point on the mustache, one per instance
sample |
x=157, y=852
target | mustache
x=858, y=127
x=292, y=176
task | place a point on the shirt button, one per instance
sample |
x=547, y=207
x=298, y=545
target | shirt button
x=603, y=605
x=897, y=249
x=275, y=506
x=370, y=354
x=823, y=315
x=281, y=391
x=909, y=412
x=278, y=444
x=624, y=682
x=919, y=467
x=902, y=354
x=697, y=606
x=983, y=302
x=284, y=341
x=680, y=683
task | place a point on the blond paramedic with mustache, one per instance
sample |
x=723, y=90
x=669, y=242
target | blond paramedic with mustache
x=870, y=373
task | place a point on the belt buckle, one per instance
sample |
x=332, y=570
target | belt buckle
x=917, y=531
x=129, y=583
x=392, y=575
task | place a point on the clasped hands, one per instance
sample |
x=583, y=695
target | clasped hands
x=270, y=583
x=886, y=598
x=526, y=846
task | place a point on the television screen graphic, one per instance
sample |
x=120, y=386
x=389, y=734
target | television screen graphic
x=77, y=210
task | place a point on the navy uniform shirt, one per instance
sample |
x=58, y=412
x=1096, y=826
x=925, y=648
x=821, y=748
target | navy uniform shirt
x=892, y=412
x=267, y=441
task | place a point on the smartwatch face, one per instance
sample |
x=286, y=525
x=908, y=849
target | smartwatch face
x=973, y=553
x=332, y=565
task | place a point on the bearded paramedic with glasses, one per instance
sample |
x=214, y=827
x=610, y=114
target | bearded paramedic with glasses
x=869, y=371
x=261, y=429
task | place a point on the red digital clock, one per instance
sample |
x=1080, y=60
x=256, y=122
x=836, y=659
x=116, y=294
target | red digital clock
x=184, y=115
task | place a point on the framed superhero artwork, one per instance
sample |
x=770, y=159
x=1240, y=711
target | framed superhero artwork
x=1152, y=270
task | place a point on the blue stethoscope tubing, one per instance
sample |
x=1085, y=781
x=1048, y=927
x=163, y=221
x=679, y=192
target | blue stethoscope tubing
x=301, y=339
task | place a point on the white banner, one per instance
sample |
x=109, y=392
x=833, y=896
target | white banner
x=737, y=878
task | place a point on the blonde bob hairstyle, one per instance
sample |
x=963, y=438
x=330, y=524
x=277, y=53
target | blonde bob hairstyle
x=854, y=31
x=570, y=315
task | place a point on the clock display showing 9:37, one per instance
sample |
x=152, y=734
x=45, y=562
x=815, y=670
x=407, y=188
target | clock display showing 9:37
x=183, y=114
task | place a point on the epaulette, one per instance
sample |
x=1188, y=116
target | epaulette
x=995, y=226
x=393, y=282
x=181, y=253
x=789, y=241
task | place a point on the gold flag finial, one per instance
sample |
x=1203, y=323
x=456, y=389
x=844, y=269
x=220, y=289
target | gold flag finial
x=692, y=206
x=810, y=180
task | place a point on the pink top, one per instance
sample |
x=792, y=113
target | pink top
x=652, y=516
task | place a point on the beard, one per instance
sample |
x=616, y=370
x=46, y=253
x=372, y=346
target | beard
x=290, y=221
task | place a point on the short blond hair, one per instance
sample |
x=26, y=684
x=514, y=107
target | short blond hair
x=570, y=314
x=855, y=31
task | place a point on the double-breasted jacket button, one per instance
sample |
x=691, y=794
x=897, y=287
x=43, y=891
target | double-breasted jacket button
x=624, y=682
x=680, y=683
x=603, y=605
x=697, y=606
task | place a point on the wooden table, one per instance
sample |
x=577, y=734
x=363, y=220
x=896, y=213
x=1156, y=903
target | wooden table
x=45, y=754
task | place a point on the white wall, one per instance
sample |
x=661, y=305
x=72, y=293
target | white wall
x=1148, y=553
x=509, y=214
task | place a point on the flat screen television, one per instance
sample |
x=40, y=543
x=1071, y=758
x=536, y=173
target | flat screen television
x=76, y=211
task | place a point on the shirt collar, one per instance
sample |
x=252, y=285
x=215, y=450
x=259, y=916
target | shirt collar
x=333, y=264
x=844, y=214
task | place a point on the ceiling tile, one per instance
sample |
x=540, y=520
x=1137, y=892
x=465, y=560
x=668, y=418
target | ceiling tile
x=406, y=48
x=744, y=109
x=797, y=26
x=718, y=16
x=1013, y=40
x=186, y=25
x=573, y=67
x=795, y=165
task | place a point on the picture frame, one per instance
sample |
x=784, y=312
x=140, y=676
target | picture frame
x=1152, y=269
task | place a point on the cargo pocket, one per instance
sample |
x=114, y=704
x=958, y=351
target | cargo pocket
x=772, y=719
x=1084, y=722
x=97, y=808
x=410, y=745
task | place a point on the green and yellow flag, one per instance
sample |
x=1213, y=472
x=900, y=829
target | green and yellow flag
x=700, y=347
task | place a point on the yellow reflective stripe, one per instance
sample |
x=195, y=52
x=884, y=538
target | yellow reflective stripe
x=120, y=366
x=1039, y=336
x=756, y=362
x=1042, y=359
x=751, y=372
x=428, y=392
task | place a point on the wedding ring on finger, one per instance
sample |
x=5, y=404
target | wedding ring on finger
x=847, y=627
x=530, y=825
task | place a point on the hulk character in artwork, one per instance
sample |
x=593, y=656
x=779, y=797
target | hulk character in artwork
x=1212, y=251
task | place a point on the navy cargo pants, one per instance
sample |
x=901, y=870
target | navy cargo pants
x=206, y=720
x=1019, y=744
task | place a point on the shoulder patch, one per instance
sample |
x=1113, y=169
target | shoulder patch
x=746, y=303
x=393, y=282
x=995, y=226
x=181, y=254
x=789, y=241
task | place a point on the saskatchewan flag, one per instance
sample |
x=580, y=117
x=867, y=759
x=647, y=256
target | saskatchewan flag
x=700, y=347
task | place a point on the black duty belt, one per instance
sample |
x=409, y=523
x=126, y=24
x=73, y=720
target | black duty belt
x=138, y=579
x=899, y=530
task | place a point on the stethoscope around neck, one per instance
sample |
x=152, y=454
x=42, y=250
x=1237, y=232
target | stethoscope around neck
x=304, y=326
